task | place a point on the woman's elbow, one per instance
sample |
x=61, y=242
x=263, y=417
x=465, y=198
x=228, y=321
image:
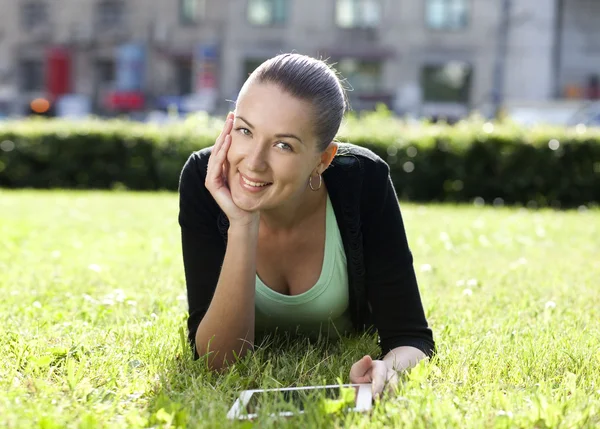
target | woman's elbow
x=219, y=361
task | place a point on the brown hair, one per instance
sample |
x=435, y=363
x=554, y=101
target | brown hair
x=312, y=80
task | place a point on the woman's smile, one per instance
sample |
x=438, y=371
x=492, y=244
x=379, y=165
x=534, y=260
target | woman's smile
x=252, y=185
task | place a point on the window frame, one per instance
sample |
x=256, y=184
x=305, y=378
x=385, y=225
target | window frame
x=360, y=25
x=379, y=87
x=41, y=20
x=187, y=64
x=272, y=23
x=24, y=64
x=470, y=81
x=100, y=21
x=199, y=13
x=103, y=65
x=246, y=60
x=448, y=28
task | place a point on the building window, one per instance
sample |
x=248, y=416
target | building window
x=110, y=14
x=32, y=75
x=33, y=14
x=105, y=72
x=447, y=83
x=191, y=11
x=267, y=12
x=184, y=73
x=251, y=64
x=447, y=14
x=364, y=76
x=358, y=13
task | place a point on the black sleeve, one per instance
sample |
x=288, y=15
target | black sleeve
x=202, y=245
x=392, y=288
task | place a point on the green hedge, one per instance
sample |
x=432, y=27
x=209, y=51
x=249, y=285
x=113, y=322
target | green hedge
x=472, y=160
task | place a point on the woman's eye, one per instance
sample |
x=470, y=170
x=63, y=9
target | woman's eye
x=284, y=146
x=244, y=131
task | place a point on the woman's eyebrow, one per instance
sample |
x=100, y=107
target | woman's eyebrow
x=279, y=136
x=247, y=123
x=289, y=136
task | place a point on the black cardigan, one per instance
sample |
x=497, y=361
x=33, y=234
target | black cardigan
x=383, y=287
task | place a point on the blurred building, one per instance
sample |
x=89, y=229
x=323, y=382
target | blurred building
x=433, y=57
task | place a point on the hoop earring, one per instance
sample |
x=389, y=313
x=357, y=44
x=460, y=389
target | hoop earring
x=311, y=185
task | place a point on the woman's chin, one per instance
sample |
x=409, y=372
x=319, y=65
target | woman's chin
x=246, y=203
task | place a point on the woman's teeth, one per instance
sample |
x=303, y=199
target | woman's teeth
x=255, y=184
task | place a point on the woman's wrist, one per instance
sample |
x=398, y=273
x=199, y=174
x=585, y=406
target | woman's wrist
x=244, y=228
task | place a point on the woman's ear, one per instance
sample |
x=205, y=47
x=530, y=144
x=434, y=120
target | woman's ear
x=328, y=155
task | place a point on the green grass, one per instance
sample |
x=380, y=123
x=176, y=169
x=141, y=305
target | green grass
x=93, y=310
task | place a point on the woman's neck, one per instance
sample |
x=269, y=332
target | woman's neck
x=284, y=220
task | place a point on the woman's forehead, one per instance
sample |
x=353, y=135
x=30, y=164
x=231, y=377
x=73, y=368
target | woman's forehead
x=268, y=105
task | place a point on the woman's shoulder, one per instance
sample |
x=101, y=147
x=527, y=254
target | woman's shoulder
x=195, y=167
x=195, y=201
x=361, y=159
x=193, y=175
x=199, y=158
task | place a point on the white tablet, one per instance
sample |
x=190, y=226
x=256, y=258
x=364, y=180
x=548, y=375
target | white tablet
x=286, y=402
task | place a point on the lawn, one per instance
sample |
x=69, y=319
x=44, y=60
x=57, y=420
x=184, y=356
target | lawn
x=93, y=310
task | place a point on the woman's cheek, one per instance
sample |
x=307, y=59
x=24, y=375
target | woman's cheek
x=233, y=148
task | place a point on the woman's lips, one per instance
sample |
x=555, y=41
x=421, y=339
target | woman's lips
x=250, y=185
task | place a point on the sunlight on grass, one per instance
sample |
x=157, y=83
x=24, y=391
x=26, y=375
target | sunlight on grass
x=93, y=315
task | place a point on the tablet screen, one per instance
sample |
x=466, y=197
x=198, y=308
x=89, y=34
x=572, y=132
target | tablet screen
x=291, y=400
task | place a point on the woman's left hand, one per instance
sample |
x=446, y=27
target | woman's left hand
x=375, y=372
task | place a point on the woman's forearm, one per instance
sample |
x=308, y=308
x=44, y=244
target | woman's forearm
x=403, y=358
x=228, y=325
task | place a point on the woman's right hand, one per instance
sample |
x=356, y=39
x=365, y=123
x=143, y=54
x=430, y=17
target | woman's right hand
x=216, y=179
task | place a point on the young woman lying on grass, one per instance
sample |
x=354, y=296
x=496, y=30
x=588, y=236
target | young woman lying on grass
x=284, y=228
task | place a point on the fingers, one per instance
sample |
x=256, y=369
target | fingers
x=385, y=379
x=392, y=381
x=220, y=158
x=361, y=370
x=228, y=125
x=226, y=166
x=224, y=133
x=380, y=372
x=219, y=151
x=382, y=378
x=222, y=155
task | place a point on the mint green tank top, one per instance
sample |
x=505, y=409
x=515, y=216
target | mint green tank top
x=324, y=308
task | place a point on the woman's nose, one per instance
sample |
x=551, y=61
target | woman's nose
x=256, y=159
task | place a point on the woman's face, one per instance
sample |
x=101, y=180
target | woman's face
x=273, y=148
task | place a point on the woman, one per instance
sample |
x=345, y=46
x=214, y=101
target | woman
x=284, y=228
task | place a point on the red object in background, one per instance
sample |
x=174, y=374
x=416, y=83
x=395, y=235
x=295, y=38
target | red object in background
x=125, y=100
x=58, y=76
x=593, y=89
x=593, y=93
